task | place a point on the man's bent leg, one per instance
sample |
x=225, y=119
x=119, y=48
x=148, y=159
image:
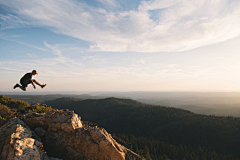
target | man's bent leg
x=24, y=88
x=36, y=82
x=16, y=85
x=21, y=87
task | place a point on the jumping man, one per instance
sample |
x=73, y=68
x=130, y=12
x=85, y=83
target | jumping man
x=27, y=79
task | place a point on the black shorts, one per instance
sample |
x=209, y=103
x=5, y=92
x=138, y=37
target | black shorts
x=25, y=83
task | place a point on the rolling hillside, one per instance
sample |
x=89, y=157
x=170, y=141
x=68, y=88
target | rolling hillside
x=171, y=125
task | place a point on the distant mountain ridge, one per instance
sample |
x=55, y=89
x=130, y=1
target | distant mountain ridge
x=220, y=104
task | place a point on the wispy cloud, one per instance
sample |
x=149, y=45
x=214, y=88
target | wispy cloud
x=32, y=55
x=22, y=43
x=61, y=59
x=54, y=49
x=177, y=24
x=141, y=61
x=108, y=2
x=11, y=21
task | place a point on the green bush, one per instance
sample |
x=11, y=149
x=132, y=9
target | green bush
x=11, y=103
x=5, y=114
x=10, y=107
x=3, y=119
x=35, y=108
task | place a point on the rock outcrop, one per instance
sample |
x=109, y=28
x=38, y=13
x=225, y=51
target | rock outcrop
x=17, y=142
x=62, y=135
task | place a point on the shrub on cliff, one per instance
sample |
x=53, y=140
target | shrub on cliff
x=5, y=114
x=10, y=107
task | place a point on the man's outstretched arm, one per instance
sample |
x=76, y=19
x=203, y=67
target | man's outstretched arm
x=33, y=84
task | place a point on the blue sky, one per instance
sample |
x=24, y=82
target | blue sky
x=120, y=45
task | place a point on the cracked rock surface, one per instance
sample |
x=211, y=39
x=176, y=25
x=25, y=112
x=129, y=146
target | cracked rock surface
x=61, y=134
x=17, y=142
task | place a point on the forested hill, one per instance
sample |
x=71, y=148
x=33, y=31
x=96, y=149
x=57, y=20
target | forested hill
x=171, y=125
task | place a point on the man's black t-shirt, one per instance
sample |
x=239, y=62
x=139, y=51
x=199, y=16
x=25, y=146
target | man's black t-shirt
x=25, y=80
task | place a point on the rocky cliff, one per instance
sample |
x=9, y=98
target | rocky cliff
x=59, y=134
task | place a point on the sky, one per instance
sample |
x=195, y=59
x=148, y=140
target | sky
x=121, y=45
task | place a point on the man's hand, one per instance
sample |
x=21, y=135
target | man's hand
x=33, y=84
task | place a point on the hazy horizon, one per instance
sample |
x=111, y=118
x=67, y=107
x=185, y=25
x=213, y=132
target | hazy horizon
x=119, y=45
x=208, y=103
x=109, y=92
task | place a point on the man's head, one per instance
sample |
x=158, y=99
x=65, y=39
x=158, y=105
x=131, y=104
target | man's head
x=34, y=72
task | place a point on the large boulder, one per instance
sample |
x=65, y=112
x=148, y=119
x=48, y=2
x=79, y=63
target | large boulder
x=17, y=142
x=64, y=136
x=55, y=120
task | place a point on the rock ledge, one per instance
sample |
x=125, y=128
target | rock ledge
x=61, y=134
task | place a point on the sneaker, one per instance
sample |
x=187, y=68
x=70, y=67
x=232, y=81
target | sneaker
x=16, y=85
x=44, y=85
